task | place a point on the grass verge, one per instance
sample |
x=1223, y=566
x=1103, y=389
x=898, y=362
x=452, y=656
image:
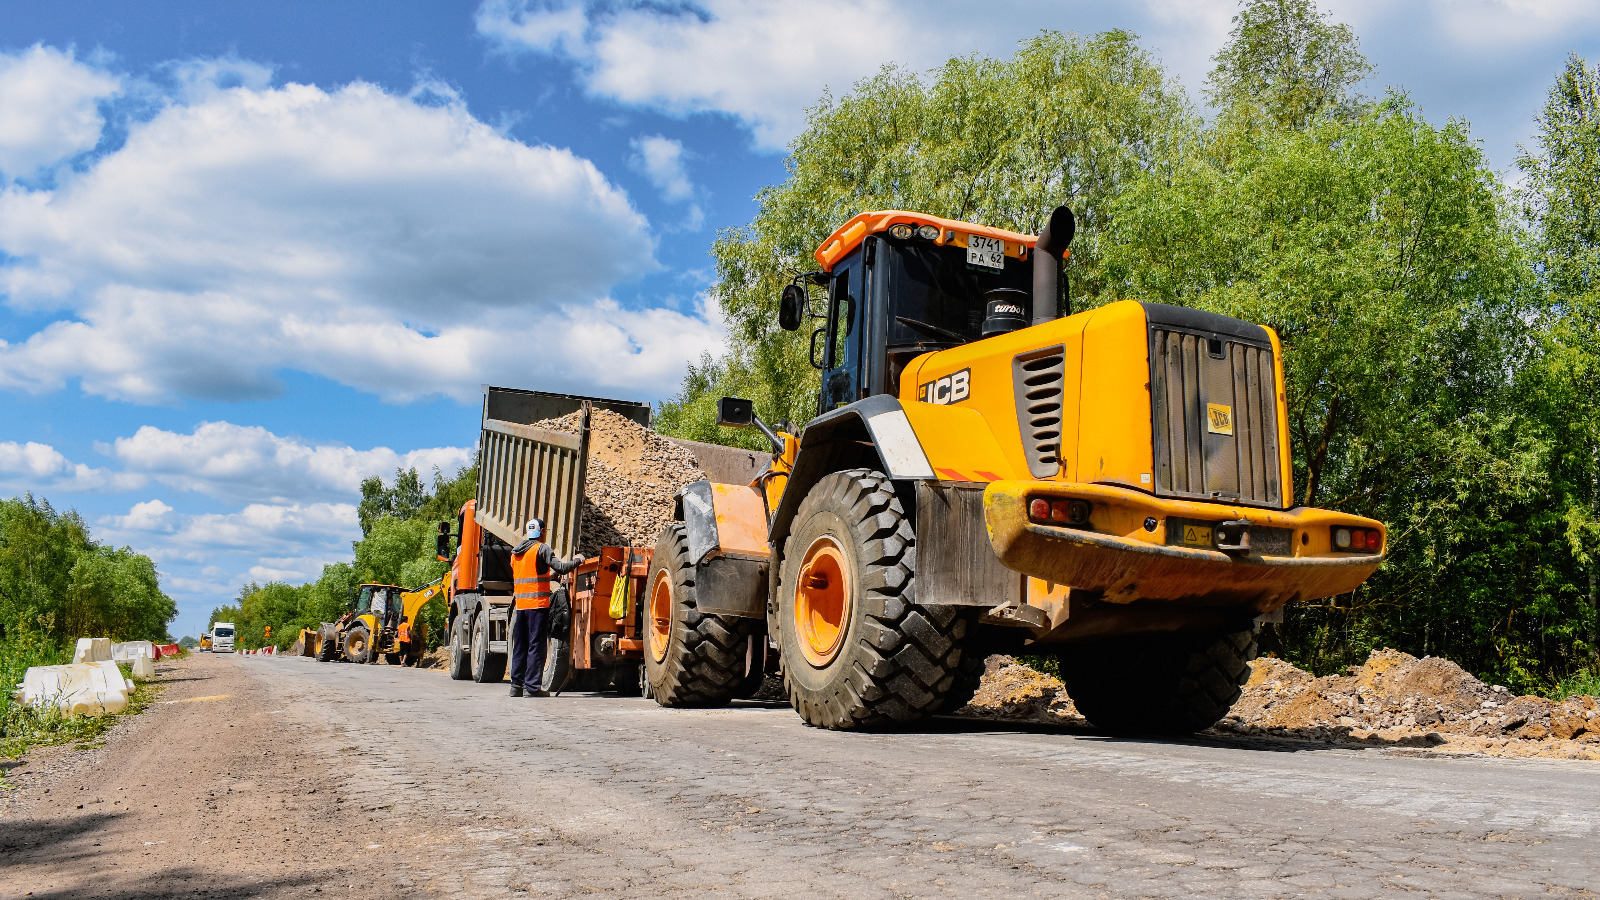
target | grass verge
x=23, y=727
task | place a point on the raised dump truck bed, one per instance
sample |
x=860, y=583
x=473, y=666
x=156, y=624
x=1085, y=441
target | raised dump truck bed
x=525, y=471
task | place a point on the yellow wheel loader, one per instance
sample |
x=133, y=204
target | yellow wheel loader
x=987, y=473
x=382, y=620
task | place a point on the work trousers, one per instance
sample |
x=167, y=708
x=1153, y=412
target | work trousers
x=529, y=628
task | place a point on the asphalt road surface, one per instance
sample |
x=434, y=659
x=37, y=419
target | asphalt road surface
x=431, y=787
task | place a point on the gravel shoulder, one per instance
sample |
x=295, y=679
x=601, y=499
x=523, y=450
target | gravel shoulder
x=212, y=792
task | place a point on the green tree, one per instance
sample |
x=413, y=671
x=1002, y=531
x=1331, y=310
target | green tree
x=1284, y=64
x=1561, y=198
x=1067, y=119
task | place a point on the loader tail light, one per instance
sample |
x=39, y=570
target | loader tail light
x=1357, y=540
x=1059, y=511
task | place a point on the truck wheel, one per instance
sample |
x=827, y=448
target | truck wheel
x=691, y=658
x=1158, y=686
x=857, y=649
x=557, y=663
x=358, y=645
x=460, y=661
x=755, y=672
x=486, y=667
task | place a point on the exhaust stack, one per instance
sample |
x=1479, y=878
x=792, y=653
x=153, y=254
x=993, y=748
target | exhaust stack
x=1047, y=253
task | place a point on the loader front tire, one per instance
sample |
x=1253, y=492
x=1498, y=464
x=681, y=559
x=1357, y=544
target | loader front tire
x=857, y=650
x=328, y=648
x=690, y=658
x=460, y=660
x=1149, y=685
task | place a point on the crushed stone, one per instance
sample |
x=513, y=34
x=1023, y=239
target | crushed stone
x=1394, y=699
x=632, y=478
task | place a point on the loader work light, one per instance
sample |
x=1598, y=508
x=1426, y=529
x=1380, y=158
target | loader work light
x=901, y=231
x=928, y=232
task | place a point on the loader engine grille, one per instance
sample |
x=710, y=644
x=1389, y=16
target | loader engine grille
x=1215, y=417
x=1038, y=377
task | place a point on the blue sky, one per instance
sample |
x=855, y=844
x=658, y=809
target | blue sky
x=253, y=253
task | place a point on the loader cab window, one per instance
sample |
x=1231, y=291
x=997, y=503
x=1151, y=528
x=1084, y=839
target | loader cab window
x=841, y=376
x=936, y=296
x=364, y=600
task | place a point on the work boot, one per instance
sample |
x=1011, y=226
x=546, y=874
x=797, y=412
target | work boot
x=516, y=690
x=538, y=692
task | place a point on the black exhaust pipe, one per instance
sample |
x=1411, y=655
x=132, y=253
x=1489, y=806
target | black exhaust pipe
x=1053, y=240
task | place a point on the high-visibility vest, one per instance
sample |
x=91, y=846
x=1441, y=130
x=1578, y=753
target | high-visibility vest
x=405, y=632
x=531, y=587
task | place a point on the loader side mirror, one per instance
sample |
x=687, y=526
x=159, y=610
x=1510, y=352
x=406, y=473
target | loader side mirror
x=735, y=412
x=443, y=546
x=792, y=307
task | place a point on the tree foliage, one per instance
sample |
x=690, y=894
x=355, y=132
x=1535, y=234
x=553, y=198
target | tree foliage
x=58, y=582
x=1068, y=119
x=1440, y=340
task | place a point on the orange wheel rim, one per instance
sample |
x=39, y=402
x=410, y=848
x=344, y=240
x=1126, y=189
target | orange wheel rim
x=660, y=616
x=822, y=601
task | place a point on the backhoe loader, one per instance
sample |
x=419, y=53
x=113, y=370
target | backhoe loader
x=988, y=472
x=383, y=619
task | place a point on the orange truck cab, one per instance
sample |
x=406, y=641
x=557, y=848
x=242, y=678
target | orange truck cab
x=987, y=473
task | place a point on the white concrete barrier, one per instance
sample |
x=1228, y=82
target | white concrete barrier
x=92, y=650
x=83, y=689
x=128, y=651
x=144, y=667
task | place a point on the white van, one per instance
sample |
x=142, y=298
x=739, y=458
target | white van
x=222, y=637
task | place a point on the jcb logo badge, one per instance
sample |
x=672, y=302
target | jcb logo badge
x=952, y=388
x=1219, y=418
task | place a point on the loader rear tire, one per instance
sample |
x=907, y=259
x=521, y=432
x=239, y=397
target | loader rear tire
x=487, y=668
x=1176, y=685
x=358, y=645
x=460, y=660
x=857, y=650
x=690, y=658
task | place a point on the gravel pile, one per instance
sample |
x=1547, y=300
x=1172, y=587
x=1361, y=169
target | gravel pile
x=633, y=476
x=1393, y=699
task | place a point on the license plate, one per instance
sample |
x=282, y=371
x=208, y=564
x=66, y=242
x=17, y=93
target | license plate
x=986, y=251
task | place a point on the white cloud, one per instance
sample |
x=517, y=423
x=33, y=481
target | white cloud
x=394, y=244
x=262, y=529
x=49, y=109
x=151, y=515
x=763, y=62
x=40, y=467
x=220, y=459
x=661, y=160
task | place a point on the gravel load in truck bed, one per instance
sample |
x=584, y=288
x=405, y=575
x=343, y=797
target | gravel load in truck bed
x=633, y=476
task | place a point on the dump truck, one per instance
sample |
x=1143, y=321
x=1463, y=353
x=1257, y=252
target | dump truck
x=383, y=620
x=989, y=472
x=526, y=471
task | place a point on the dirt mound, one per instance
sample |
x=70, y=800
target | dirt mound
x=633, y=476
x=1394, y=698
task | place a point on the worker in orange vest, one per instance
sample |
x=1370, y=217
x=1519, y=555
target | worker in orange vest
x=533, y=565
